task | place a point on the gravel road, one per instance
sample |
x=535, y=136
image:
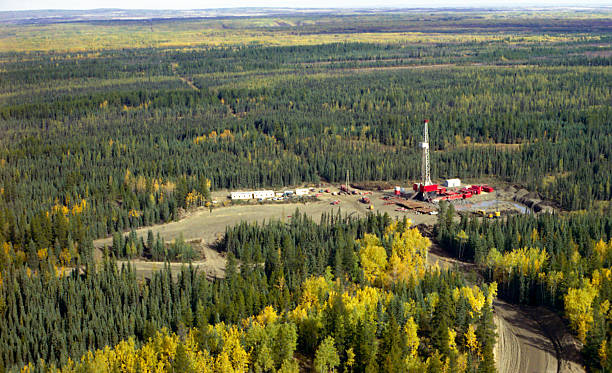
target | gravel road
x=530, y=339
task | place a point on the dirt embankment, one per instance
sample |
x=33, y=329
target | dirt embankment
x=531, y=199
x=530, y=339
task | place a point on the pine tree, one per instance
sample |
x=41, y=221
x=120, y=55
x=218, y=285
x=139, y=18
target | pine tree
x=440, y=321
x=181, y=362
x=485, y=334
x=391, y=348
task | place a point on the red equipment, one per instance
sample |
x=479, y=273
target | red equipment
x=429, y=188
x=476, y=189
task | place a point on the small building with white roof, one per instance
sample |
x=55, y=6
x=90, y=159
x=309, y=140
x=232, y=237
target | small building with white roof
x=263, y=194
x=241, y=195
x=452, y=183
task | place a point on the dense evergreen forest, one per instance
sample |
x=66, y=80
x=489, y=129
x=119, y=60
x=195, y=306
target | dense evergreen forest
x=343, y=292
x=102, y=136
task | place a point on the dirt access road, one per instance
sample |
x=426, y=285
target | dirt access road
x=208, y=227
x=530, y=339
x=202, y=228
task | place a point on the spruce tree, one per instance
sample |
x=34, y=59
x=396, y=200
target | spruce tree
x=485, y=334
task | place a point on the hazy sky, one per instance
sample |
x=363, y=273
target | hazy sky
x=203, y=4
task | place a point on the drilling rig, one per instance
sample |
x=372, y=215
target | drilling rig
x=425, y=175
x=426, y=186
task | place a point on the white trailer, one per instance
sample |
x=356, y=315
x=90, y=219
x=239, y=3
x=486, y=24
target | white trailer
x=263, y=194
x=241, y=195
x=301, y=191
x=452, y=183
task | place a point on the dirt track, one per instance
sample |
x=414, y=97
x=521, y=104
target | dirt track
x=530, y=339
x=522, y=345
x=205, y=227
x=213, y=265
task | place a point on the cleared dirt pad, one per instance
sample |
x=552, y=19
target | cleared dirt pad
x=213, y=267
x=209, y=227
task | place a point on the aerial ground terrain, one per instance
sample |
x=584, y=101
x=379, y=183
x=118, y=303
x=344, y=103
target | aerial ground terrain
x=529, y=340
x=124, y=134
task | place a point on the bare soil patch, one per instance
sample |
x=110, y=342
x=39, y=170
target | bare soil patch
x=530, y=339
x=373, y=185
x=205, y=228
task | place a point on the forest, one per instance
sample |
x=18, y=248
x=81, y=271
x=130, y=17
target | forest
x=343, y=292
x=563, y=262
x=102, y=133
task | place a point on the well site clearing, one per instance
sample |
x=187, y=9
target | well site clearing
x=204, y=226
x=525, y=343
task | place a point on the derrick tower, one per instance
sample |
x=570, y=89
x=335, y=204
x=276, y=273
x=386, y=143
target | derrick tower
x=425, y=175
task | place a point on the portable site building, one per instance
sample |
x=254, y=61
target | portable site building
x=263, y=194
x=241, y=195
x=452, y=183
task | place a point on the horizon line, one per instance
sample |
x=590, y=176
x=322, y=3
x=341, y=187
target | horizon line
x=339, y=7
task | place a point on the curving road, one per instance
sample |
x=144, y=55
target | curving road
x=530, y=339
x=522, y=346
